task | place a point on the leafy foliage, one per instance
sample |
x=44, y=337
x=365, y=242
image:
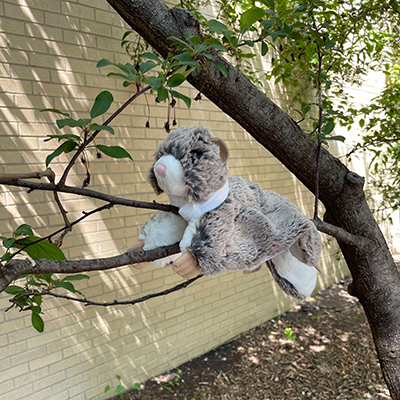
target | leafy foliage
x=322, y=46
x=381, y=124
x=28, y=297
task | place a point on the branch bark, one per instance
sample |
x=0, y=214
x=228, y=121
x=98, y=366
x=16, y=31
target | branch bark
x=16, y=268
x=50, y=187
x=88, y=302
x=376, y=281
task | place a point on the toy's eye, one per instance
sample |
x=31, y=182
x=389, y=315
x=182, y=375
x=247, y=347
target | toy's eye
x=195, y=155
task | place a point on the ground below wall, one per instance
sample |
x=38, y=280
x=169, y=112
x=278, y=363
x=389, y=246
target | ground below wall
x=319, y=358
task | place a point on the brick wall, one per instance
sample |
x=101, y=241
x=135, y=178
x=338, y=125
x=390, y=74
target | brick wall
x=48, y=54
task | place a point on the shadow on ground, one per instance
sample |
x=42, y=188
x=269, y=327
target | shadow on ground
x=321, y=350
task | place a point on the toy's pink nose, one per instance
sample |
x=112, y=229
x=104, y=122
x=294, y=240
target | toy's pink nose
x=161, y=168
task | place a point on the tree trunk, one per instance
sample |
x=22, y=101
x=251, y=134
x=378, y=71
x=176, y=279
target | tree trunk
x=376, y=281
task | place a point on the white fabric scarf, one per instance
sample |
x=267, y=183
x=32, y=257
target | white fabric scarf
x=190, y=210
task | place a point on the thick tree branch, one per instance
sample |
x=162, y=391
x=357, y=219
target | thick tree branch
x=376, y=280
x=50, y=187
x=49, y=173
x=15, y=268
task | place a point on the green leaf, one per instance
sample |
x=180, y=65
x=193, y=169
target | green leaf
x=54, y=110
x=361, y=123
x=216, y=26
x=250, y=16
x=66, y=285
x=329, y=127
x=76, y=277
x=199, y=48
x=114, y=151
x=181, y=96
x=176, y=80
x=65, y=136
x=264, y=48
x=215, y=44
x=118, y=377
x=162, y=93
x=36, y=309
x=37, y=322
x=107, y=389
x=38, y=300
x=195, y=40
x=14, y=290
x=103, y=63
x=123, y=76
x=46, y=277
x=154, y=82
x=178, y=41
x=119, y=389
x=66, y=147
x=330, y=44
x=126, y=34
x=97, y=127
x=67, y=122
x=101, y=104
x=183, y=57
x=249, y=43
x=305, y=107
x=6, y=257
x=137, y=386
x=222, y=69
x=7, y=243
x=147, y=66
x=151, y=56
x=23, y=229
x=43, y=249
x=338, y=138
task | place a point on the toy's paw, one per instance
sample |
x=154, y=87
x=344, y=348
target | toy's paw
x=186, y=266
x=252, y=271
x=138, y=246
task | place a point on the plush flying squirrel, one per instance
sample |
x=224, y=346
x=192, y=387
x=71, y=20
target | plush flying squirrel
x=226, y=223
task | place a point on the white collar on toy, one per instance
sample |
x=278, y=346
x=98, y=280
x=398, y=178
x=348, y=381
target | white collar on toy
x=189, y=210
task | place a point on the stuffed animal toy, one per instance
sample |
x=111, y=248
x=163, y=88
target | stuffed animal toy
x=226, y=223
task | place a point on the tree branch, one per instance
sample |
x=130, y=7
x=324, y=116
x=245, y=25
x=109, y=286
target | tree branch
x=342, y=235
x=50, y=187
x=87, y=302
x=15, y=268
x=95, y=133
x=48, y=237
x=49, y=173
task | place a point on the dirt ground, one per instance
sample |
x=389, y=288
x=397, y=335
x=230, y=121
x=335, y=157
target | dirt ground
x=322, y=350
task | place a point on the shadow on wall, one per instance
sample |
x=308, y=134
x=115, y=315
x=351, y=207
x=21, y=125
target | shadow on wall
x=49, y=62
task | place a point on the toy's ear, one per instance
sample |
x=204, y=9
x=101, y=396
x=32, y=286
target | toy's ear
x=151, y=177
x=223, y=148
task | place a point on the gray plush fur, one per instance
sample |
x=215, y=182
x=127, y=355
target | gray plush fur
x=250, y=226
x=200, y=159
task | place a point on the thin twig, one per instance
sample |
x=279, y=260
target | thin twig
x=86, y=214
x=87, y=302
x=320, y=110
x=95, y=133
x=63, y=211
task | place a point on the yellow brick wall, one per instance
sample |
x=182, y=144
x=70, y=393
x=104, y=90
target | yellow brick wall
x=48, y=55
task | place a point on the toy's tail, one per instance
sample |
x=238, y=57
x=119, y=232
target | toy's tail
x=294, y=277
